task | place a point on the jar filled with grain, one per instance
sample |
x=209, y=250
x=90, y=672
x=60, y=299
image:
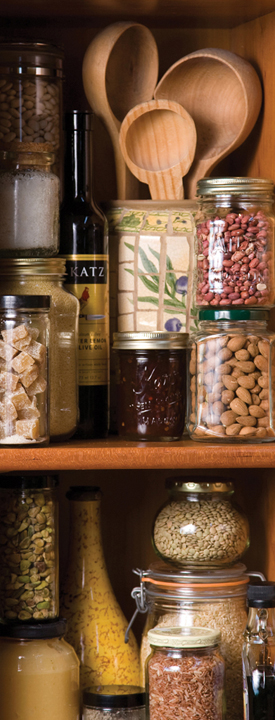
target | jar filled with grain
x=200, y=598
x=185, y=671
x=114, y=702
x=232, y=377
x=44, y=276
x=198, y=525
x=235, y=242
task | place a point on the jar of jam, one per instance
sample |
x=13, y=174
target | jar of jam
x=151, y=384
x=235, y=242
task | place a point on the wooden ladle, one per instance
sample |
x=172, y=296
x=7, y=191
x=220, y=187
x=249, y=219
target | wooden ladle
x=222, y=93
x=120, y=70
x=158, y=142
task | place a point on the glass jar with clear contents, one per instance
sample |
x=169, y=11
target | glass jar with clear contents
x=24, y=342
x=151, y=384
x=45, y=275
x=29, y=567
x=113, y=702
x=29, y=199
x=198, y=525
x=39, y=673
x=232, y=377
x=185, y=672
x=235, y=242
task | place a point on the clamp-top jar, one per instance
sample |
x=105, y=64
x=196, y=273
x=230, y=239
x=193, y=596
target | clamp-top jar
x=198, y=525
x=235, y=242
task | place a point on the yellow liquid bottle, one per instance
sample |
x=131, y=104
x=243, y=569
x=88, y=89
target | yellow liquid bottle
x=96, y=624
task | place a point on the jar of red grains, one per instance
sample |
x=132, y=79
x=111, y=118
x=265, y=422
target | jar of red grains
x=185, y=674
x=235, y=242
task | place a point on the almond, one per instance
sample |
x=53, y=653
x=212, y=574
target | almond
x=261, y=363
x=224, y=354
x=247, y=366
x=229, y=382
x=263, y=346
x=242, y=354
x=217, y=429
x=263, y=381
x=239, y=407
x=264, y=394
x=256, y=411
x=236, y=342
x=237, y=373
x=246, y=420
x=228, y=417
x=227, y=396
x=265, y=405
x=252, y=349
x=263, y=421
x=244, y=395
x=223, y=369
x=246, y=381
x=255, y=399
x=260, y=432
x=247, y=431
x=232, y=429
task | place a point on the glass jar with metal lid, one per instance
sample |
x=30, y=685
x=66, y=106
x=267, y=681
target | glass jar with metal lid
x=29, y=199
x=29, y=560
x=185, y=671
x=114, y=702
x=24, y=388
x=235, y=242
x=151, y=384
x=232, y=377
x=213, y=598
x=45, y=276
x=39, y=673
x=31, y=96
x=198, y=525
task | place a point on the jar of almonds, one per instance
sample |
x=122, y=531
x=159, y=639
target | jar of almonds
x=232, y=377
x=28, y=548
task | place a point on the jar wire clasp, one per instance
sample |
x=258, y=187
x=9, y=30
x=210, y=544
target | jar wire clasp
x=138, y=594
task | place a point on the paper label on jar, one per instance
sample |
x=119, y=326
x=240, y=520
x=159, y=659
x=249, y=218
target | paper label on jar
x=87, y=279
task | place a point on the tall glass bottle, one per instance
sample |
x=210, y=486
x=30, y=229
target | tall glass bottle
x=259, y=653
x=84, y=245
x=95, y=622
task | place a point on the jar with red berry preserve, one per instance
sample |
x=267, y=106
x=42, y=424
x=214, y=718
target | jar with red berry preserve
x=235, y=242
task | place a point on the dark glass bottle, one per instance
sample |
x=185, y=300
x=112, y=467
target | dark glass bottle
x=259, y=653
x=84, y=245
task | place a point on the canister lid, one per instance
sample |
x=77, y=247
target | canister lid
x=25, y=302
x=234, y=185
x=149, y=340
x=114, y=696
x=34, y=58
x=27, y=482
x=261, y=594
x=214, y=314
x=31, y=631
x=183, y=637
x=198, y=485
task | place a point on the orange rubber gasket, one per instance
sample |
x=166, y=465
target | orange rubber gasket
x=196, y=585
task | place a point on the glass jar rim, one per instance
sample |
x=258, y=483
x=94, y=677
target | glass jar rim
x=164, y=581
x=214, y=314
x=183, y=637
x=234, y=186
x=33, y=266
x=198, y=485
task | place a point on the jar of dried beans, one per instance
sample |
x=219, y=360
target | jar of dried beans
x=185, y=674
x=235, y=242
x=198, y=525
x=232, y=377
x=151, y=384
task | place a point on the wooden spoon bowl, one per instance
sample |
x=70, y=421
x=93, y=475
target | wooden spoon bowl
x=222, y=93
x=120, y=70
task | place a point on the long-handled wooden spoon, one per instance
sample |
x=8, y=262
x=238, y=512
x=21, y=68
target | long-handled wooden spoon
x=120, y=70
x=158, y=142
x=222, y=92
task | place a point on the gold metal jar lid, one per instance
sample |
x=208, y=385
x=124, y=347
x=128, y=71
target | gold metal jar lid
x=234, y=186
x=183, y=637
x=149, y=340
x=185, y=485
x=32, y=266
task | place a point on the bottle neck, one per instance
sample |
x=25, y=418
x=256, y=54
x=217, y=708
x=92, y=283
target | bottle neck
x=77, y=165
x=85, y=534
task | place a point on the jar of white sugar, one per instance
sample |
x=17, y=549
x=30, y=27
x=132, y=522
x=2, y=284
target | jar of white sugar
x=29, y=201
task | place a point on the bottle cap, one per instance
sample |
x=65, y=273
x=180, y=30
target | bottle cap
x=261, y=594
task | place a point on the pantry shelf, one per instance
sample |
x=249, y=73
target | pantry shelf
x=116, y=454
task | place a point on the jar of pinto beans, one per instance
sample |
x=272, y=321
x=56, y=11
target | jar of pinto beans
x=235, y=242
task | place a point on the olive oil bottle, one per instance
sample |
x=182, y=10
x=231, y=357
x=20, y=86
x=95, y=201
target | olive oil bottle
x=84, y=245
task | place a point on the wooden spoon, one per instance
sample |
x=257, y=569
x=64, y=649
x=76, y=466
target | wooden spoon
x=222, y=93
x=120, y=70
x=158, y=142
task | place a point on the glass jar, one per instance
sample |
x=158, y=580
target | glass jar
x=96, y=623
x=185, y=672
x=235, y=242
x=36, y=277
x=24, y=341
x=114, y=702
x=29, y=199
x=31, y=96
x=205, y=598
x=232, y=377
x=28, y=548
x=198, y=525
x=151, y=385
x=39, y=673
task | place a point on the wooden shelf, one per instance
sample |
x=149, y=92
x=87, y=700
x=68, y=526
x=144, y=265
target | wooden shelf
x=115, y=454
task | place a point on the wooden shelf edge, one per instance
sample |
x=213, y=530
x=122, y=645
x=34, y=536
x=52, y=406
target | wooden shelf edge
x=116, y=454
